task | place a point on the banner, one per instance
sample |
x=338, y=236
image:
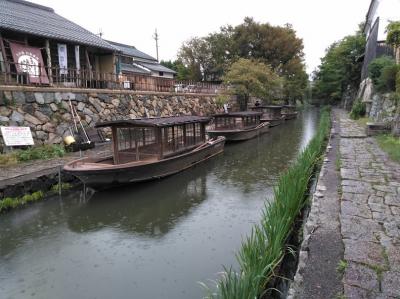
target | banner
x=29, y=61
x=62, y=59
x=77, y=60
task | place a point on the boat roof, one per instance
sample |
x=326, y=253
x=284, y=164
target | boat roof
x=239, y=114
x=289, y=106
x=155, y=122
x=267, y=107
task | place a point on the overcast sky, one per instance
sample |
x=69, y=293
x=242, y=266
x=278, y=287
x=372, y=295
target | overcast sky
x=318, y=22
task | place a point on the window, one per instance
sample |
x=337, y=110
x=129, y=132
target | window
x=161, y=74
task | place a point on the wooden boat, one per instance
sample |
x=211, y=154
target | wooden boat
x=147, y=149
x=271, y=114
x=238, y=126
x=289, y=112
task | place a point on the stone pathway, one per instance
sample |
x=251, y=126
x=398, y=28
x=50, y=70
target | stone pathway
x=370, y=215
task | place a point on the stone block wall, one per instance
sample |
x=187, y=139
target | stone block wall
x=48, y=113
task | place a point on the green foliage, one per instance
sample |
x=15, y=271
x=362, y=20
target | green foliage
x=341, y=267
x=390, y=145
x=34, y=153
x=377, y=65
x=358, y=110
x=182, y=72
x=64, y=186
x=383, y=73
x=252, y=78
x=393, y=33
x=9, y=203
x=40, y=153
x=221, y=99
x=340, y=68
x=387, y=80
x=264, y=249
x=209, y=58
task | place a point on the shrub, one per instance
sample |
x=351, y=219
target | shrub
x=358, y=110
x=377, y=65
x=41, y=152
x=387, y=79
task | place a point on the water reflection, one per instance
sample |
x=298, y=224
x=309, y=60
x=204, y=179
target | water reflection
x=151, y=209
x=153, y=240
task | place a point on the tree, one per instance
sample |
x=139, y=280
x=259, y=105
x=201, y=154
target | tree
x=252, y=78
x=340, y=68
x=182, y=72
x=393, y=37
x=195, y=54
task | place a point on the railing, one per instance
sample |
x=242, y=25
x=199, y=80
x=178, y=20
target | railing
x=35, y=75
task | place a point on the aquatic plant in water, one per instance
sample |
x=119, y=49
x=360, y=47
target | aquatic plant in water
x=263, y=250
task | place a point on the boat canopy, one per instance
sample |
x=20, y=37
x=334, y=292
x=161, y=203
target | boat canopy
x=155, y=122
x=237, y=120
x=146, y=139
x=269, y=111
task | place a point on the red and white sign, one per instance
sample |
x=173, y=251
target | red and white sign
x=29, y=60
x=17, y=136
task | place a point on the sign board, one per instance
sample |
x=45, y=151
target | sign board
x=17, y=136
x=29, y=60
x=63, y=59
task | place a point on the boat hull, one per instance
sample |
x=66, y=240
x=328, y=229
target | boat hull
x=273, y=122
x=107, y=177
x=240, y=135
x=290, y=115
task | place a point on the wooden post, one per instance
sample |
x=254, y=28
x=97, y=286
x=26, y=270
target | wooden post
x=49, y=70
x=159, y=142
x=115, y=144
x=3, y=51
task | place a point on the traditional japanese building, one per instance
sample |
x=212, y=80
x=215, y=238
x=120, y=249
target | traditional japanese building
x=142, y=70
x=39, y=46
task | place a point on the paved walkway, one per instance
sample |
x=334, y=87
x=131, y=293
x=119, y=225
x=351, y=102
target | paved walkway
x=369, y=216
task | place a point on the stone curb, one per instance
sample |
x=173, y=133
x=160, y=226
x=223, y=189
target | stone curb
x=310, y=226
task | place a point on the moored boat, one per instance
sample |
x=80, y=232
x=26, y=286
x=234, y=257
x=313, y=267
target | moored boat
x=289, y=112
x=271, y=114
x=146, y=149
x=238, y=126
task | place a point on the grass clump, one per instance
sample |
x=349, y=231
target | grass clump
x=64, y=186
x=358, y=110
x=43, y=152
x=263, y=250
x=9, y=203
x=341, y=267
x=391, y=145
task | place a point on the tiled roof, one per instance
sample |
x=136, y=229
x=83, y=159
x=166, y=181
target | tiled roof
x=156, y=67
x=133, y=69
x=132, y=51
x=31, y=18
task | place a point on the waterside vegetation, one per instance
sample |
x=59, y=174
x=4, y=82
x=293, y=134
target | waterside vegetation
x=262, y=251
x=43, y=152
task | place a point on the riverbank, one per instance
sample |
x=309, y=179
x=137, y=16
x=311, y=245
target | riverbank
x=40, y=177
x=353, y=235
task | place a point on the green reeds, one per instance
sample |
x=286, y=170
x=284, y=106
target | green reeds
x=9, y=203
x=264, y=249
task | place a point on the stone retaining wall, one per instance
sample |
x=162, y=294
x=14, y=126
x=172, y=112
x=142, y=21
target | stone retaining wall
x=47, y=112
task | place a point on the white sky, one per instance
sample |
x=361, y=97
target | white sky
x=318, y=22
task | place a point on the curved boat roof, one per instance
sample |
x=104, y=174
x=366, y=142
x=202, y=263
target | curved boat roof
x=155, y=122
x=238, y=114
x=267, y=107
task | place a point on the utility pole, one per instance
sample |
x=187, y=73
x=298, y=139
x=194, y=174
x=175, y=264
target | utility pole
x=155, y=36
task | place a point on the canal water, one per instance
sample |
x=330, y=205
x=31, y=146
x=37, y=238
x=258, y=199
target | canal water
x=152, y=240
